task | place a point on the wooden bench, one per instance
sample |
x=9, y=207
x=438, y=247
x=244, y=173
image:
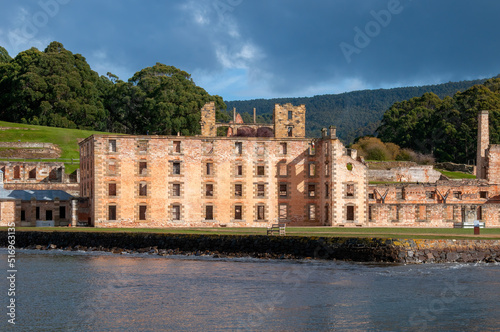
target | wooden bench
x=278, y=228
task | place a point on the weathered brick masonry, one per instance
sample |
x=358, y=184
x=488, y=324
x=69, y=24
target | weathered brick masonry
x=164, y=181
x=159, y=181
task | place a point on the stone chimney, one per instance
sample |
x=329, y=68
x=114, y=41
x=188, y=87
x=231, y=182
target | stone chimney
x=333, y=132
x=324, y=133
x=483, y=142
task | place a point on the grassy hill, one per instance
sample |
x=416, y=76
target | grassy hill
x=65, y=139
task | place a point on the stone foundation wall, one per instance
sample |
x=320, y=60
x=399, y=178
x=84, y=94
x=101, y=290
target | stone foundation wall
x=350, y=249
x=425, y=174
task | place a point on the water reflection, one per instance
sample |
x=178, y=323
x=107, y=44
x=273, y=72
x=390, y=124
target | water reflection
x=103, y=292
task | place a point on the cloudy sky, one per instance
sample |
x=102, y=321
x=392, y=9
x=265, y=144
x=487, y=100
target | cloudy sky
x=246, y=49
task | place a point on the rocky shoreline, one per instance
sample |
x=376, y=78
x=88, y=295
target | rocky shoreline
x=266, y=247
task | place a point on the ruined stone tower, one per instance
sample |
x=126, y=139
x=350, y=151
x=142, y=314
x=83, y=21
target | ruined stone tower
x=483, y=142
x=207, y=120
x=289, y=121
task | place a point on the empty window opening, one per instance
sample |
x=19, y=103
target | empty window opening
x=209, y=190
x=238, y=209
x=312, y=212
x=112, y=145
x=238, y=190
x=143, y=189
x=111, y=189
x=143, y=167
x=283, y=211
x=312, y=169
x=48, y=215
x=177, y=146
x=283, y=148
x=17, y=172
x=350, y=213
x=239, y=147
x=142, y=212
x=260, y=171
x=350, y=190
x=176, y=189
x=311, y=190
x=32, y=173
x=112, y=212
x=283, y=190
x=62, y=212
x=239, y=170
x=176, y=168
x=209, y=212
x=176, y=212
x=290, y=131
x=261, y=212
x=209, y=168
x=282, y=169
x=261, y=190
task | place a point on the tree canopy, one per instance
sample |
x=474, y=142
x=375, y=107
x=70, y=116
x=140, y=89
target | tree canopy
x=446, y=128
x=58, y=88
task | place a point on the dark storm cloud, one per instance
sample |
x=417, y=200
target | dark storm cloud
x=264, y=48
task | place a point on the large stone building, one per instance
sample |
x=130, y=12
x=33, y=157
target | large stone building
x=158, y=181
x=261, y=174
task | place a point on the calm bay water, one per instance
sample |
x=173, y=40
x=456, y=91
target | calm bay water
x=76, y=291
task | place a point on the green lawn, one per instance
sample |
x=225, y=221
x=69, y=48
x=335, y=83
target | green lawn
x=456, y=175
x=66, y=139
x=361, y=232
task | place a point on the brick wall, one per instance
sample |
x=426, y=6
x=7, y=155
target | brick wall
x=271, y=180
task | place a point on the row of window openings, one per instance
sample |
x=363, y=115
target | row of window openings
x=237, y=212
x=422, y=213
x=176, y=146
x=209, y=169
x=432, y=195
x=209, y=212
x=176, y=189
x=238, y=190
x=48, y=213
x=143, y=146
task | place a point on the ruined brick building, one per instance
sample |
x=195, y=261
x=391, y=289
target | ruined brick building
x=262, y=174
x=207, y=180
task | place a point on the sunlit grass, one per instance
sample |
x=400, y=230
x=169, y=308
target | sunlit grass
x=361, y=232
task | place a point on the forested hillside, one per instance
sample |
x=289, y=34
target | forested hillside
x=356, y=113
x=58, y=88
x=446, y=128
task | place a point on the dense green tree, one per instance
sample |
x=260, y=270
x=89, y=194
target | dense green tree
x=4, y=55
x=58, y=88
x=446, y=128
x=54, y=88
x=158, y=100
